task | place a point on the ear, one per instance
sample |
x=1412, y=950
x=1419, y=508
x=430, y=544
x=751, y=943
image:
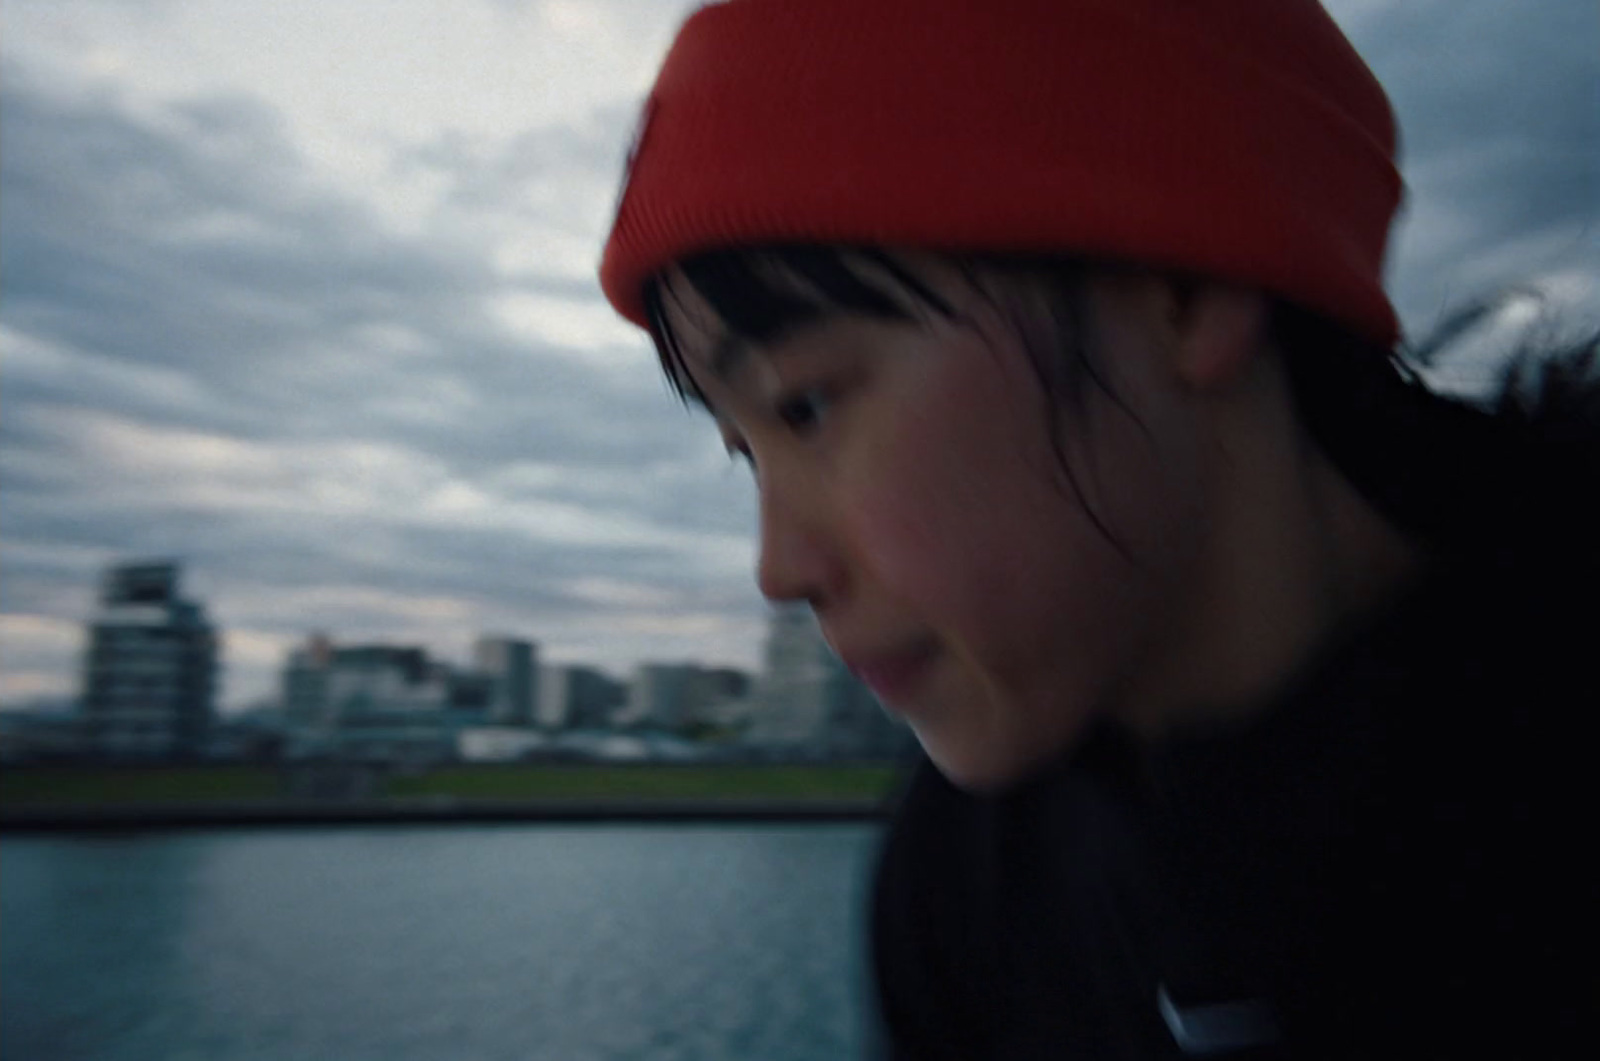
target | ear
x=1219, y=330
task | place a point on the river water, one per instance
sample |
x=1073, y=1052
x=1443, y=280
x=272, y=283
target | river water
x=482, y=942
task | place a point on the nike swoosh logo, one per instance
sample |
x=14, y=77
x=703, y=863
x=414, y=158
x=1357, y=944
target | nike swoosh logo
x=1220, y=1027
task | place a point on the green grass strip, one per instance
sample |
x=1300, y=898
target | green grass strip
x=104, y=785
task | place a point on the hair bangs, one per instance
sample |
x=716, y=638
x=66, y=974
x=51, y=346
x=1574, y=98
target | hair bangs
x=762, y=294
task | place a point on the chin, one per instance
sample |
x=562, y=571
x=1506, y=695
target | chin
x=989, y=764
x=973, y=768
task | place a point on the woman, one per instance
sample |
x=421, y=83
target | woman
x=1245, y=668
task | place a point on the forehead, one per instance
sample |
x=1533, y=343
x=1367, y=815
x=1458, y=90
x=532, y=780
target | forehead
x=713, y=310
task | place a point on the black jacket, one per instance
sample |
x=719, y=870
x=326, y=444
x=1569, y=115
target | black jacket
x=1390, y=861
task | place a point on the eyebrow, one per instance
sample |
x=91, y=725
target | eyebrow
x=732, y=351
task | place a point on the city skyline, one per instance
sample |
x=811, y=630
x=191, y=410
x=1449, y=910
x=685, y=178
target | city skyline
x=302, y=296
x=147, y=693
x=143, y=597
x=463, y=650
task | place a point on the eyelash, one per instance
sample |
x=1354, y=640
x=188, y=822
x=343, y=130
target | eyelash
x=801, y=411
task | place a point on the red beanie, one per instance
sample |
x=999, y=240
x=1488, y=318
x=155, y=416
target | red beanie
x=1240, y=139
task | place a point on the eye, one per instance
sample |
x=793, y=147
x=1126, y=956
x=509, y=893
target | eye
x=803, y=410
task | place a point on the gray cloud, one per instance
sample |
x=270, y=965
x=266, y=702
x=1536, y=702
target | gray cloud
x=421, y=433
x=1500, y=143
x=210, y=356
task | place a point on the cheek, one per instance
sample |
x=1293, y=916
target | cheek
x=965, y=530
x=969, y=535
x=921, y=497
x=916, y=546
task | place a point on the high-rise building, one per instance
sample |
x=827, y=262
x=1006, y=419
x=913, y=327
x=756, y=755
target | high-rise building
x=513, y=668
x=658, y=694
x=577, y=697
x=791, y=694
x=150, y=672
x=807, y=702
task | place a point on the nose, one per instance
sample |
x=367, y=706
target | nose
x=797, y=561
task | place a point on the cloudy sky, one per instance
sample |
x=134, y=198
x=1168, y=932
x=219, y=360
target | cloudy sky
x=302, y=294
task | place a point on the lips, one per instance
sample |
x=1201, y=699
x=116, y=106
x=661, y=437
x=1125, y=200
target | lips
x=892, y=675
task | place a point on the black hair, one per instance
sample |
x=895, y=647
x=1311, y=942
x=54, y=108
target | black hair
x=1516, y=466
x=1446, y=472
x=761, y=293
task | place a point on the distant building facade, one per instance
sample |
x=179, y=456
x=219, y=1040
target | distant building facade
x=658, y=695
x=677, y=696
x=791, y=698
x=572, y=696
x=855, y=724
x=513, y=669
x=365, y=679
x=305, y=685
x=499, y=744
x=806, y=702
x=150, y=669
x=718, y=697
x=381, y=701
